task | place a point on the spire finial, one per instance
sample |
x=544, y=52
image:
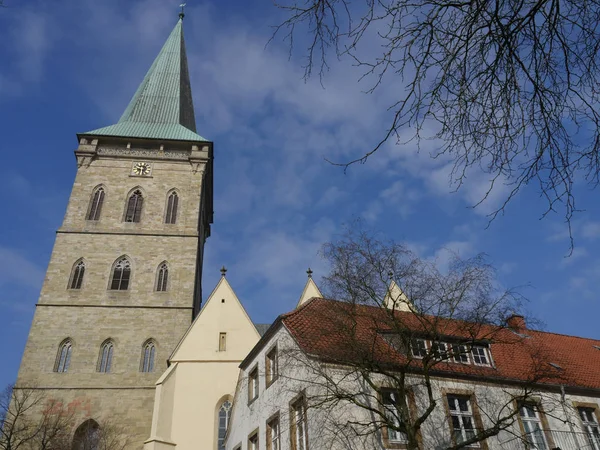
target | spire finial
x=309, y=273
x=182, y=13
x=223, y=271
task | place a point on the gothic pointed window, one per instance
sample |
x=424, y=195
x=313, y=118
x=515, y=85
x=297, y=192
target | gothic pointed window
x=172, y=201
x=96, y=204
x=105, y=358
x=148, y=355
x=63, y=358
x=224, y=416
x=134, y=207
x=87, y=436
x=162, y=277
x=77, y=275
x=121, y=275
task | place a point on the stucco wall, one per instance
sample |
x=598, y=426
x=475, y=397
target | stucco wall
x=327, y=425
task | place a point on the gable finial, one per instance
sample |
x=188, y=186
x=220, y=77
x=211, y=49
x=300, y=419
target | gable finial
x=182, y=13
x=223, y=271
x=309, y=273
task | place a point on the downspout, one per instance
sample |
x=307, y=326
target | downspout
x=563, y=402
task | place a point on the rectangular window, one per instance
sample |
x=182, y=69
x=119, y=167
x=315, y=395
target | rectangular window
x=459, y=351
x=590, y=426
x=253, y=385
x=253, y=441
x=298, y=434
x=394, y=424
x=271, y=366
x=222, y=341
x=273, y=439
x=418, y=348
x=461, y=415
x=480, y=355
x=530, y=419
x=439, y=350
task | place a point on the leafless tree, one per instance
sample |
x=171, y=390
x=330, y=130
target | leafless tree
x=388, y=350
x=31, y=420
x=509, y=88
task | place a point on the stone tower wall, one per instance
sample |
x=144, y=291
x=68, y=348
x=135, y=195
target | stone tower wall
x=92, y=314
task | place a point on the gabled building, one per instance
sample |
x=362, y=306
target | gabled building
x=340, y=376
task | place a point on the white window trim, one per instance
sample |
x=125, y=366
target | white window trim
x=414, y=341
x=462, y=414
x=527, y=421
x=487, y=355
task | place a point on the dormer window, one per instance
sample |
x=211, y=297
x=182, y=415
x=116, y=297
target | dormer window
x=418, y=348
x=480, y=355
x=460, y=353
x=439, y=350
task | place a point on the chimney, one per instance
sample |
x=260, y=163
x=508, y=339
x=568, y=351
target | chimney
x=516, y=322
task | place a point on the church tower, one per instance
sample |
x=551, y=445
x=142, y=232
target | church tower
x=124, y=279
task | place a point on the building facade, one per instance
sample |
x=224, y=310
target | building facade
x=124, y=279
x=312, y=382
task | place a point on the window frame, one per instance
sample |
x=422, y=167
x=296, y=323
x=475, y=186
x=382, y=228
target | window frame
x=475, y=414
x=593, y=443
x=253, y=384
x=459, y=351
x=172, y=207
x=221, y=404
x=543, y=421
x=105, y=366
x=77, y=275
x=150, y=343
x=162, y=277
x=68, y=345
x=421, y=352
x=271, y=366
x=254, y=440
x=385, y=431
x=486, y=354
x=137, y=209
x=113, y=270
x=274, y=419
x=94, y=211
x=299, y=400
x=438, y=355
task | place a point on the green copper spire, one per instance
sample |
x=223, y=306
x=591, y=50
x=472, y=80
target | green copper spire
x=162, y=105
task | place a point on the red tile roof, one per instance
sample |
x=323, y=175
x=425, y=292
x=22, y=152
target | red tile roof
x=345, y=333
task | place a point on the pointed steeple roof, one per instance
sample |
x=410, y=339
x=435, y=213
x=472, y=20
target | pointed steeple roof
x=162, y=106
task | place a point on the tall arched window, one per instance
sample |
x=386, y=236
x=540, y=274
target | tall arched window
x=121, y=275
x=162, y=277
x=63, y=357
x=172, y=201
x=77, y=275
x=96, y=204
x=148, y=354
x=134, y=207
x=105, y=358
x=87, y=436
x=224, y=413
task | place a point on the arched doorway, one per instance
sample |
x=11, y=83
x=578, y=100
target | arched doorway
x=87, y=436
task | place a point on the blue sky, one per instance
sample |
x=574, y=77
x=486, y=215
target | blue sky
x=69, y=67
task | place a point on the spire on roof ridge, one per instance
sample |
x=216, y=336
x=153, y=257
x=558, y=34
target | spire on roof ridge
x=162, y=107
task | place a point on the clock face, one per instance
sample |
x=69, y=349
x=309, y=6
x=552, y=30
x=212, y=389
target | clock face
x=141, y=168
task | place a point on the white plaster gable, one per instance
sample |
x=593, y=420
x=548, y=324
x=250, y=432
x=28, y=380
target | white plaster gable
x=396, y=299
x=310, y=290
x=222, y=313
